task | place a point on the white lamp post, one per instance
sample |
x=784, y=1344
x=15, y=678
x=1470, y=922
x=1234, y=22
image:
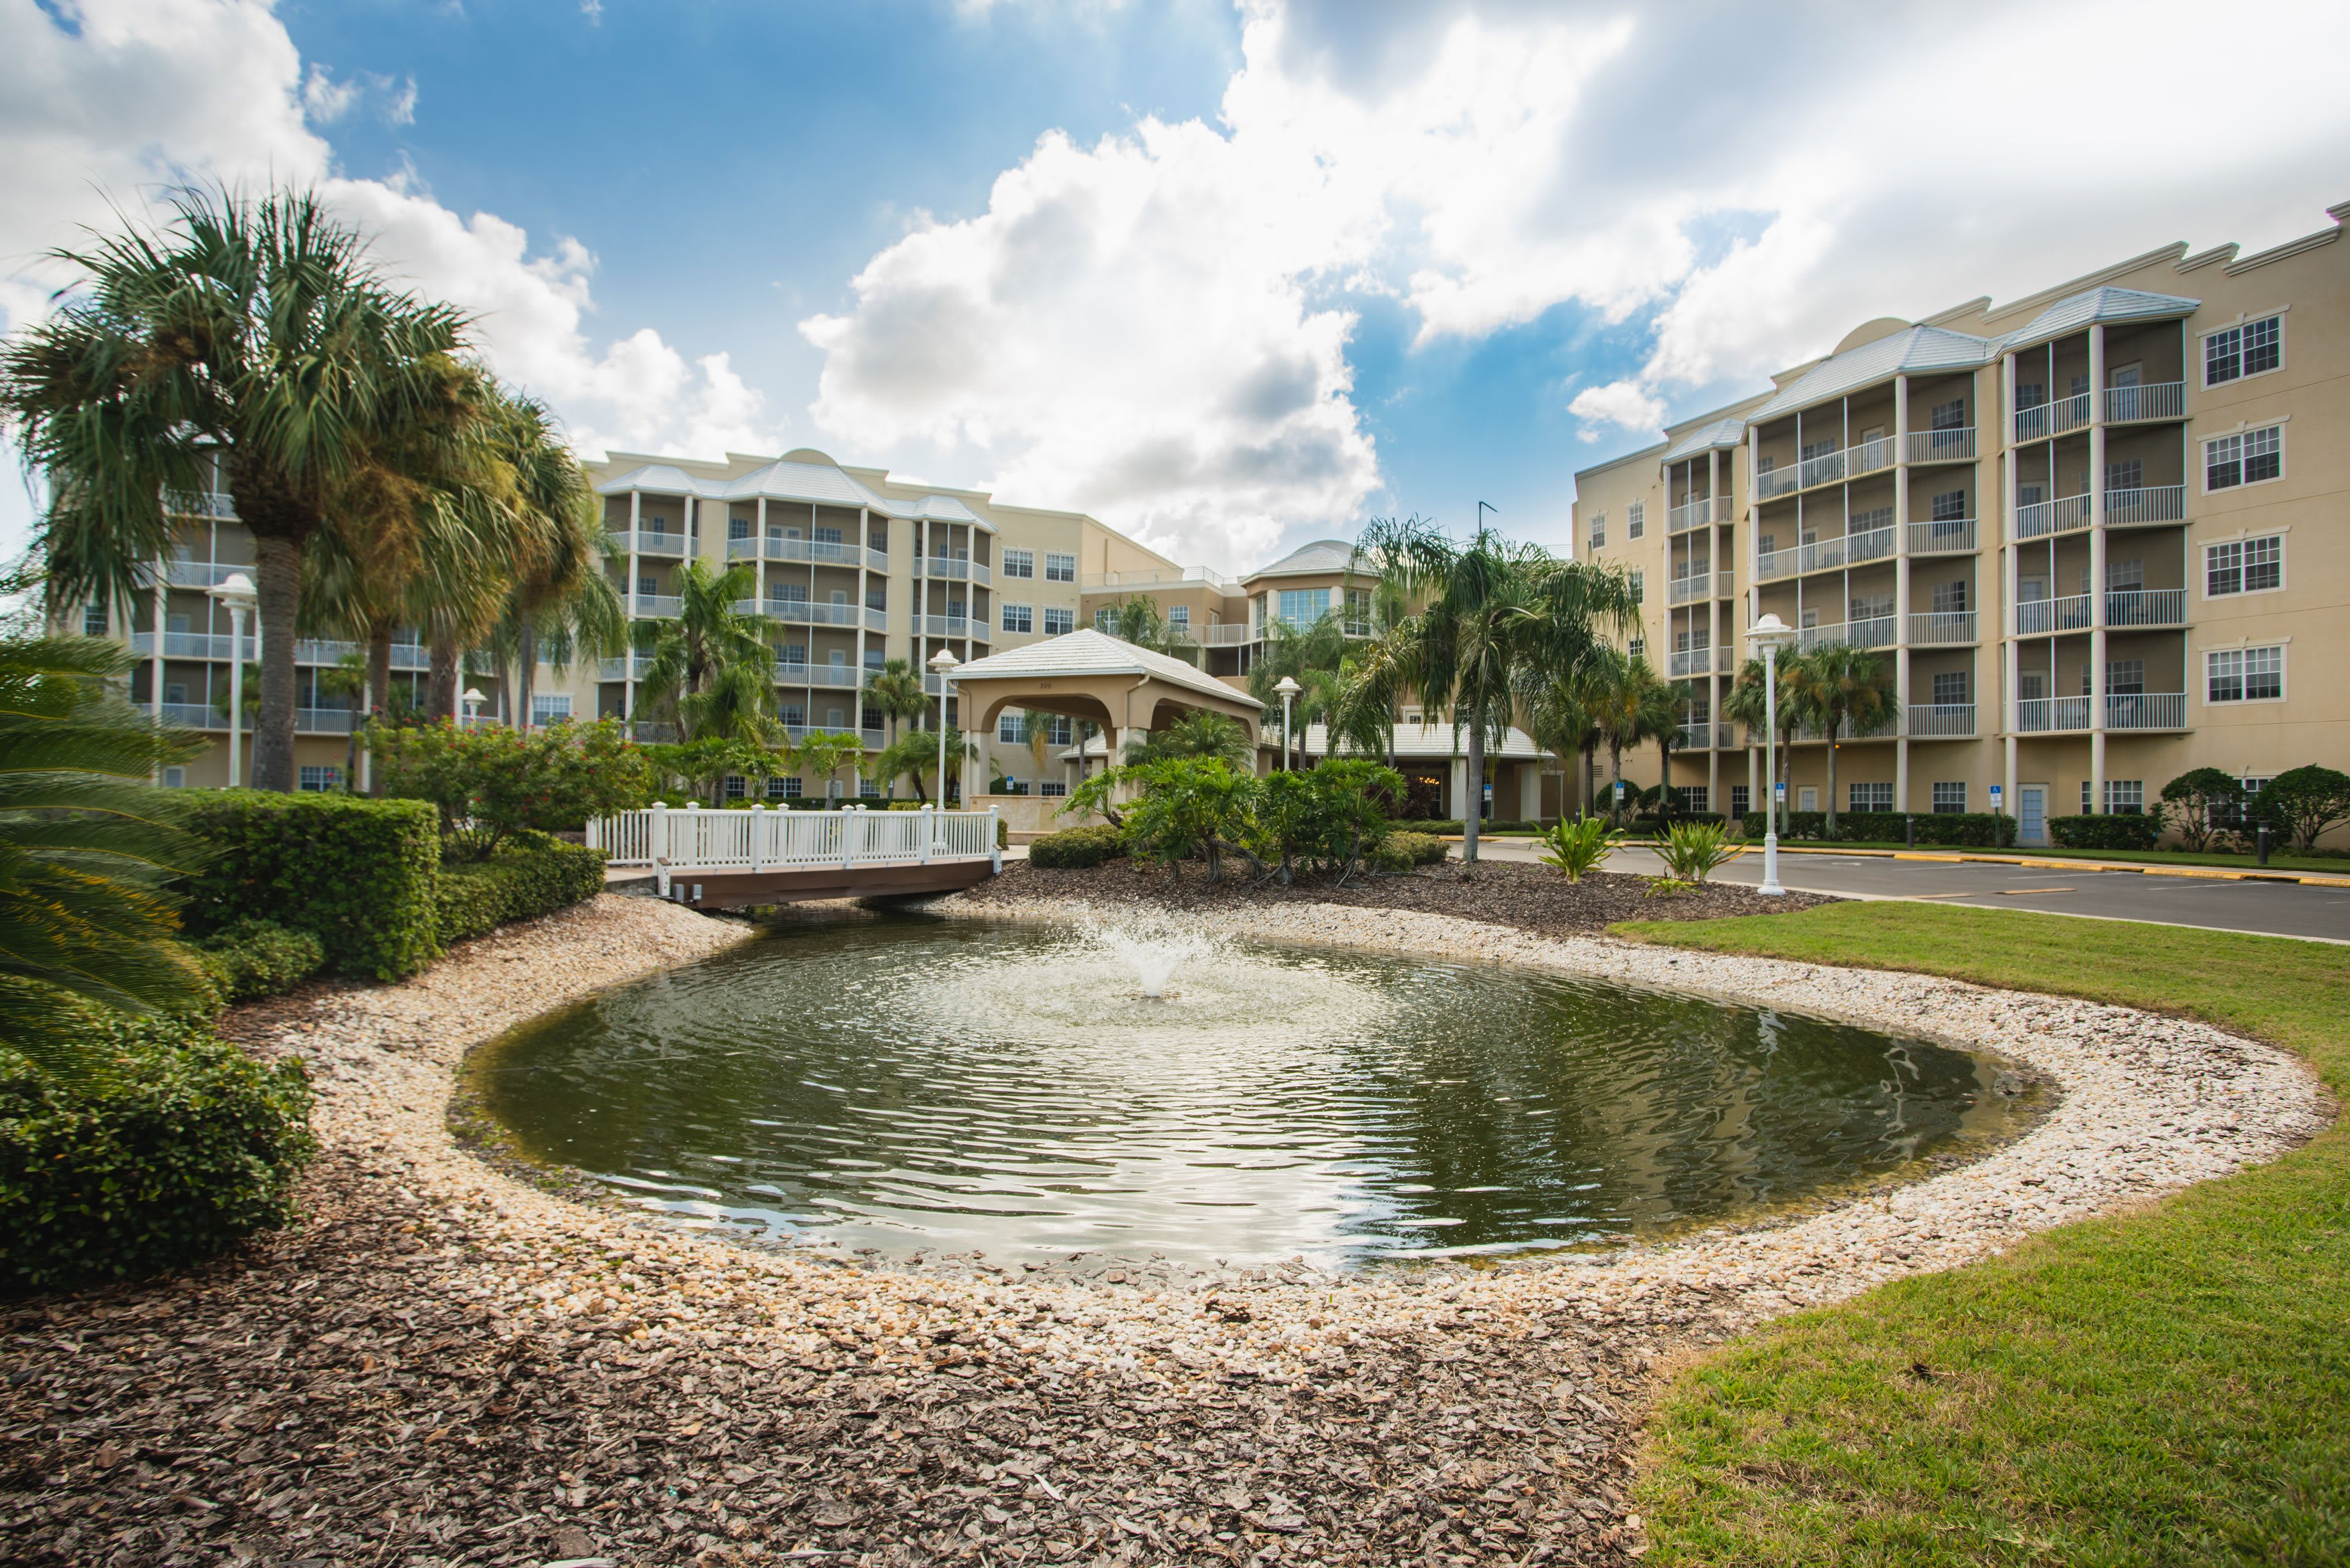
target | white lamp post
x=1771, y=634
x=945, y=662
x=473, y=700
x=237, y=596
x=1288, y=688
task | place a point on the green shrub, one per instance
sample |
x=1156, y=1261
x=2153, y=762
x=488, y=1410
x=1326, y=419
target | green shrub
x=1693, y=851
x=2305, y=803
x=186, y=1146
x=254, y=957
x=1400, y=852
x=2113, y=831
x=357, y=874
x=1578, y=847
x=1075, y=847
x=1967, y=829
x=533, y=875
x=489, y=783
x=1454, y=826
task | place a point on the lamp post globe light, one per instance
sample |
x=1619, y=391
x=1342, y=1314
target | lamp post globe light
x=945, y=662
x=1288, y=688
x=1771, y=634
x=473, y=700
x=237, y=596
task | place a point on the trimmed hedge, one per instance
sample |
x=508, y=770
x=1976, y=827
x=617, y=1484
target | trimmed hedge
x=255, y=957
x=1961, y=829
x=189, y=1145
x=2119, y=831
x=1075, y=847
x=1455, y=825
x=1402, y=851
x=535, y=874
x=357, y=874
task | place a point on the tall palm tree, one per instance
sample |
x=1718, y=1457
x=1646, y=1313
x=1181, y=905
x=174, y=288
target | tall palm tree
x=1036, y=733
x=1632, y=705
x=1682, y=695
x=708, y=668
x=897, y=690
x=1847, y=690
x=85, y=845
x=559, y=602
x=247, y=346
x=1559, y=711
x=1748, y=704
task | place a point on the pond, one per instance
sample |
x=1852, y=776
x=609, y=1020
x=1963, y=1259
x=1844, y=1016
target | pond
x=928, y=1084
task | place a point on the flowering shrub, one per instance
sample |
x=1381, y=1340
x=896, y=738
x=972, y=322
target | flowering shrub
x=490, y=782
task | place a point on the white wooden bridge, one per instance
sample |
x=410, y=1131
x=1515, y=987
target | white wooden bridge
x=728, y=859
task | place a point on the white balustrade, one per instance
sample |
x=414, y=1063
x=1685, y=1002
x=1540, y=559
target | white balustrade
x=2039, y=618
x=1943, y=536
x=2146, y=504
x=2141, y=607
x=690, y=841
x=2146, y=711
x=2043, y=715
x=2061, y=515
x=2158, y=401
x=1942, y=446
x=644, y=541
x=1941, y=627
x=1940, y=721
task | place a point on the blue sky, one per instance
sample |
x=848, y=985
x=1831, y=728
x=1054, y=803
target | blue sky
x=1228, y=275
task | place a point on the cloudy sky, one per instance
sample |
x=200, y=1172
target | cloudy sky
x=1229, y=275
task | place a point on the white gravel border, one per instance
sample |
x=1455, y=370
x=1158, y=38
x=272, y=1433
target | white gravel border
x=2150, y=1104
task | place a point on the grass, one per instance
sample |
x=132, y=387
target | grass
x=2278, y=860
x=2167, y=1386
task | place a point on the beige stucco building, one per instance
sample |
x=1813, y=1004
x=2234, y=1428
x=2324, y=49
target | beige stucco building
x=2093, y=530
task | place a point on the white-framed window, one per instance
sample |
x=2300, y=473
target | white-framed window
x=1635, y=520
x=1060, y=730
x=792, y=785
x=175, y=778
x=317, y=778
x=2233, y=353
x=1639, y=588
x=1697, y=795
x=93, y=619
x=1599, y=529
x=1019, y=617
x=1059, y=622
x=1871, y=797
x=1950, y=416
x=1019, y=563
x=2126, y=797
x=1060, y=568
x=1951, y=688
x=549, y=706
x=2243, y=674
x=2243, y=566
x=738, y=527
x=737, y=786
x=1299, y=608
x=1052, y=787
x=868, y=789
x=1950, y=506
x=1179, y=618
x=1637, y=648
x=1949, y=797
x=1009, y=730
x=2125, y=677
x=2251, y=457
x=1101, y=618
x=1951, y=597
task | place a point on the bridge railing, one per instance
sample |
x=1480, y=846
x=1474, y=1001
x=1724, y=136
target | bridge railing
x=690, y=839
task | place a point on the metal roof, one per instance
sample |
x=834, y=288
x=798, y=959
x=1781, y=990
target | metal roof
x=1707, y=438
x=1321, y=556
x=1420, y=742
x=2079, y=311
x=785, y=481
x=1090, y=652
x=1919, y=348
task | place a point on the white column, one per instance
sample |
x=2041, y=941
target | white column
x=857, y=698
x=2098, y=566
x=628, y=613
x=1901, y=586
x=155, y=664
x=1461, y=796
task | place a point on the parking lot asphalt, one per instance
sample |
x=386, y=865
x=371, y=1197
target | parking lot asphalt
x=2272, y=909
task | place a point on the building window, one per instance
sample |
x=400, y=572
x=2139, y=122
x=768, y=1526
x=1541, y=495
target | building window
x=1951, y=688
x=1054, y=788
x=737, y=786
x=1009, y=730
x=1059, y=622
x=2240, y=351
x=738, y=527
x=2126, y=797
x=1599, y=529
x=1951, y=797
x=2125, y=677
x=2243, y=674
x=549, y=706
x=1300, y=607
x=318, y=780
x=1635, y=520
x=1950, y=416
x=1019, y=617
x=1637, y=648
x=2247, y=459
x=869, y=788
x=93, y=619
x=1179, y=618
x=1019, y=563
x=1060, y=568
x=1639, y=588
x=1101, y=618
x=1950, y=506
x=1872, y=798
x=1951, y=597
x=175, y=778
x=2243, y=566
x=792, y=787
x=1695, y=797
x=1739, y=799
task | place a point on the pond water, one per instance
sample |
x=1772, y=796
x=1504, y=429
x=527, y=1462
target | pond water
x=919, y=1084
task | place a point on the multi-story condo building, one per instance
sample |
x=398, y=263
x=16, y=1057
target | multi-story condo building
x=2093, y=531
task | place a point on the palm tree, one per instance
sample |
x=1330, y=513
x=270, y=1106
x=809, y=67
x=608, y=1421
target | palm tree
x=1631, y=705
x=1748, y=704
x=246, y=346
x=824, y=755
x=1198, y=734
x=346, y=676
x=709, y=668
x=559, y=600
x=85, y=844
x=1847, y=690
x=1682, y=695
x=1558, y=713
x=898, y=693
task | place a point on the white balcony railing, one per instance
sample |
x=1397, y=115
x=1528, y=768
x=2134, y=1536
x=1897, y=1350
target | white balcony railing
x=2061, y=515
x=1705, y=737
x=2160, y=400
x=647, y=542
x=2142, y=607
x=953, y=569
x=1870, y=456
x=2146, y=711
x=213, y=503
x=1827, y=554
x=2043, y=617
x=1942, y=446
x=1699, y=514
x=2046, y=715
x=203, y=574
x=306, y=720
x=1227, y=634
x=1770, y=484
x=1943, y=627
x=661, y=605
x=2148, y=504
x=800, y=612
x=1940, y=721
x=1826, y=469
x=1875, y=631
x=1943, y=536
x=835, y=677
x=618, y=668
x=2052, y=419
x=1687, y=661
x=680, y=843
x=1695, y=586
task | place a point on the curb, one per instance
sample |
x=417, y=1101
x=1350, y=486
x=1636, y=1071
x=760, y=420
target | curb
x=2207, y=873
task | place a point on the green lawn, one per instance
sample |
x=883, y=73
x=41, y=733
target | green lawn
x=2169, y=1387
x=2278, y=860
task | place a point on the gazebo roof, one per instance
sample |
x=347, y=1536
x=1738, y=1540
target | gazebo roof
x=1090, y=652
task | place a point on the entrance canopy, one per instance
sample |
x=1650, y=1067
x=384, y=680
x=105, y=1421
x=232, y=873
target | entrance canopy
x=1091, y=675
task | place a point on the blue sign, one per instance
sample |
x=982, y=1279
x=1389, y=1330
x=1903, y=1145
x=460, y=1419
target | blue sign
x=1779, y=791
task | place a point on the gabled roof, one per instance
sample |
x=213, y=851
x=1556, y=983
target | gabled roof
x=1319, y=559
x=2078, y=311
x=821, y=484
x=1090, y=652
x=1919, y=348
x=1419, y=742
x=1707, y=438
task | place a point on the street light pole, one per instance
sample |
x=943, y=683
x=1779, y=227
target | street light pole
x=473, y=700
x=1288, y=688
x=237, y=596
x=1770, y=633
x=945, y=662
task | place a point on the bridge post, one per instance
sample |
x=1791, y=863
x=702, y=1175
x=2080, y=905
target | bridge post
x=757, y=806
x=849, y=825
x=930, y=832
x=994, y=841
x=657, y=846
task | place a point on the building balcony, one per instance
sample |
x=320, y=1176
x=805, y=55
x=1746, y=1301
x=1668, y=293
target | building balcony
x=954, y=626
x=1876, y=631
x=1932, y=629
x=2141, y=607
x=211, y=503
x=1699, y=514
x=1228, y=634
x=1827, y=554
x=1699, y=586
x=818, y=551
x=1686, y=661
x=2042, y=519
x=2150, y=506
x=1706, y=737
x=1939, y=721
x=2044, y=618
x=306, y=720
x=2137, y=405
x=1163, y=576
x=799, y=612
x=952, y=569
x=2146, y=711
x=631, y=668
x=663, y=605
x=833, y=676
x=2052, y=715
x=1943, y=536
x=204, y=574
x=2054, y=419
x=1942, y=446
x=645, y=542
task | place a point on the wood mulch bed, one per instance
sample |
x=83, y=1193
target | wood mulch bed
x=1534, y=899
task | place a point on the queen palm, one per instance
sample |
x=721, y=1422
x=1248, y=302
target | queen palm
x=1631, y=705
x=1847, y=690
x=246, y=346
x=708, y=668
x=896, y=691
x=559, y=603
x=1749, y=703
x=1558, y=710
x=86, y=847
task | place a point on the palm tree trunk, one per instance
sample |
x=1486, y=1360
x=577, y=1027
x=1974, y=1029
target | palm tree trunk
x=526, y=673
x=441, y=691
x=1664, y=780
x=378, y=689
x=1833, y=727
x=1615, y=783
x=278, y=562
x=1470, y=808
